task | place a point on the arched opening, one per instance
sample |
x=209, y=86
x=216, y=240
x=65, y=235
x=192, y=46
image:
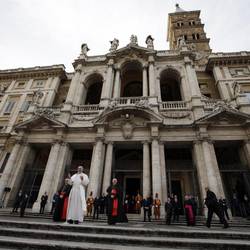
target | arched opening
x=94, y=89
x=131, y=79
x=170, y=86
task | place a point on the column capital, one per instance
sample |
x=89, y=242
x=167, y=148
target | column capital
x=145, y=66
x=99, y=138
x=109, y=142
x=117, y=67
x=147, y=142
x=151, y=60
x=57, y=141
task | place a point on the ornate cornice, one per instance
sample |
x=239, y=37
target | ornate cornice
x=34, y=72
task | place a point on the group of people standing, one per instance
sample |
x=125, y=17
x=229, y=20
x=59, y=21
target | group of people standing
x=69, y=204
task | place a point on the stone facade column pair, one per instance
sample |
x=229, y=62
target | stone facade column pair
x=207, y=168
x=53, y=173
x=9, y=168
x=50, y=97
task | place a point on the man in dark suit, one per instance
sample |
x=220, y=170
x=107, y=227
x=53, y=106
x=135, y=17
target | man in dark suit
x=214, y=207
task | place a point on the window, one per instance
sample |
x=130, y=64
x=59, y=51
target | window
x=185, y=37
x=9, y=107
x=20, y=84
x=38, y=83
x=25, y=106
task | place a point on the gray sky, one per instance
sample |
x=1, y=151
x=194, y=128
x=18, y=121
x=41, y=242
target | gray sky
x=46, y=32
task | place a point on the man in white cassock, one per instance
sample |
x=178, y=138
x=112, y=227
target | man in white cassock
x=77, y=203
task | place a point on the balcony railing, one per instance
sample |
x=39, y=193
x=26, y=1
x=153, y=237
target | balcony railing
x=130, y=100
x=92, y=108
x=175, y=105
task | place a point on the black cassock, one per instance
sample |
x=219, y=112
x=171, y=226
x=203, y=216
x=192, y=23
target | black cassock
x=115, y=205
x=59, y=207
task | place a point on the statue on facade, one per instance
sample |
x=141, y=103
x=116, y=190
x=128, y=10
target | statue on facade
x=37, y=96
x=114, y=45
x=236, y=89
x=181, y=42
x=133, y=40
x=84, y=50
x=150, y=42
x=3, y=87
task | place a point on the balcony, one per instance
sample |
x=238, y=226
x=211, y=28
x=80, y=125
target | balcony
x=128, y=101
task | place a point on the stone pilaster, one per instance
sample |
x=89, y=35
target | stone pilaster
x=73, y=88
x=163, y=173
x=145, y=80
x=48, y=176
x=117, y=87
x=108, y=167
x=96, y=168
x=9, y=168
x=146, y=170
x=49, y=100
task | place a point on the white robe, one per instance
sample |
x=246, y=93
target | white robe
x=77, y=203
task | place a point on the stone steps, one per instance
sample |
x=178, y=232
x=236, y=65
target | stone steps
x=200, y=221
x=40, y=235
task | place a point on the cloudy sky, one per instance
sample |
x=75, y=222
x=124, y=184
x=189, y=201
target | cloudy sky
x=46, y=32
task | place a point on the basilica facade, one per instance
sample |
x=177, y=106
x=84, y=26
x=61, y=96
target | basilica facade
x=160, y=121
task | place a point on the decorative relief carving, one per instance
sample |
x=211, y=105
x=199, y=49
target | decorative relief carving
x=239, y=72
x=127, y=129
x=47, y=112
x=37, y=97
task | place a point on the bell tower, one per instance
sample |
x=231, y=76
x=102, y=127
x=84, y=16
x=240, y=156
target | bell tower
x=186, y=26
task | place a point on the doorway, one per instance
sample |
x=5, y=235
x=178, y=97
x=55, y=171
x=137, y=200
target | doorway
x=177, y=190
x=132, y=186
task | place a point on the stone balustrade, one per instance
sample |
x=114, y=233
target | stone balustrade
x=88, y=108
x=54, y=109
x=209, y=104
x=130, y=100
x=175, y=105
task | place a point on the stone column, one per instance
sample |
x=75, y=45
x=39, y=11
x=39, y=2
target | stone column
x=152, y=88
x=73, y=87
x=200, y=164
x=59, y=169
x=108, y=84
x=9, y=168
x=212, y=169
x=246, y=148
x=17, y=174
x=117, y=87
x=146, y=170
x=156, y=169
x=96, y=169
x=108, y=168
x=145, y=80
x=163, y=173
x=48, y=176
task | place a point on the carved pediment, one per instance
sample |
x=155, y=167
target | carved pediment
x=225, y=116
x=40, y=122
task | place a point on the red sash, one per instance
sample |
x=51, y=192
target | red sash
x=115, y=203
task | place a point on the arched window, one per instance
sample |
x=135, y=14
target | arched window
x=131, y=79
x=170, y=85
x=94, y=89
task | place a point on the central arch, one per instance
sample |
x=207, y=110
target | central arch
x=131, y=79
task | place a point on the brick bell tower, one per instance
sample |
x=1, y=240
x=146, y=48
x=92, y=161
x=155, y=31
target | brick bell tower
x=187, y=25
